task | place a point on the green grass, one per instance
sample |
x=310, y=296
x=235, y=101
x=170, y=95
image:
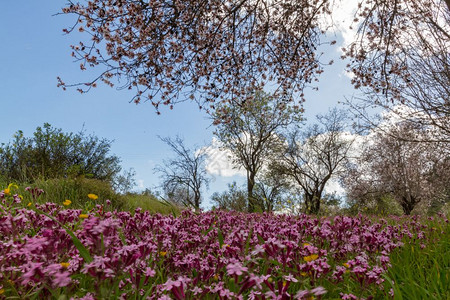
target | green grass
x=76, y=190
x=149, y=203
x=422, y=273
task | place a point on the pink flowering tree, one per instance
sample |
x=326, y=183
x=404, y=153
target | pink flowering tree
x=401, y=56
x=216, y=51
x=210, y=51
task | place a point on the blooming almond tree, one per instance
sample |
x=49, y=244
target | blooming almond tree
x=409, y=172
x=215, y=51
x=401, y=56
x=211, y=51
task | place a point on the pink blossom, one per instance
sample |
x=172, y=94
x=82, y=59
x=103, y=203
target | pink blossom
x=236, y=269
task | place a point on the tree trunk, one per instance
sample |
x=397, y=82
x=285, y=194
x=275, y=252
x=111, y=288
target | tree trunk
x=197, y=198
x=308, y=203
x=312, y=202
x=408, y=204
x=250, y=185
x=315, y=204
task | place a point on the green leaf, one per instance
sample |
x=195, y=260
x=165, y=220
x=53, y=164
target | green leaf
x=220, y=237
x=247, y=242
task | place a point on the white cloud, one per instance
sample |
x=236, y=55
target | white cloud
x=219, y=162
x=342, y=15
x=140, y=184
x=333, y=186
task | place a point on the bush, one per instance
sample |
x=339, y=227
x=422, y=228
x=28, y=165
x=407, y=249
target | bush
x=51, y=153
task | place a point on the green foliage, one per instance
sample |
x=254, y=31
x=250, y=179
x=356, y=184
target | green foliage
x=251, y=130
x=380, y=205
x=51, y=153
x=233, y=199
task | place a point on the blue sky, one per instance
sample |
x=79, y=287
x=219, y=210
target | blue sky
x=35, y=51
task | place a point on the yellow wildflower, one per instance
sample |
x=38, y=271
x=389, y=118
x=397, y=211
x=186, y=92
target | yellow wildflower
x=163, y=253
x=304, y=274
x=7, y=191
x=92, y=196
x=225, y=245
x=347, y=266
x=306, y=244
x=29, y=204
x=284, y=283
x=216, y=277
x=310, y=258
x=83, y=216
x=67, y=202
x=65, y=265
x=2, y=291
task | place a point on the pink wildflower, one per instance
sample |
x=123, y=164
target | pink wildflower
x=236, y=269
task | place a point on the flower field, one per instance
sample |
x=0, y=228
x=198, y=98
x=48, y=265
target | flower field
x=52, y=251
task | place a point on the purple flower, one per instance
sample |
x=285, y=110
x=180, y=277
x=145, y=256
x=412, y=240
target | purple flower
x=62, y=279
x=348, y=296
x=33, y=272
x=196, y=290
x=290, y=278
x=88, y=296
x=318, y=291
x=170, y=284
x=302, y=294
x=236, y=269
x=149, y=272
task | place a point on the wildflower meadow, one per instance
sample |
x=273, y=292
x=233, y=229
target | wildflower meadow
x=53, y=251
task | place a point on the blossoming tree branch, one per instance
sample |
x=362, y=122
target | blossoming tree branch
x=218, y=51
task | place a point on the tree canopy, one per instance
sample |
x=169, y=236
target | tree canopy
x=216, y=51
x=213, y=51
x=401, y=56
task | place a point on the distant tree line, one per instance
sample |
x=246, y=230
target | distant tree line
x=288, y=165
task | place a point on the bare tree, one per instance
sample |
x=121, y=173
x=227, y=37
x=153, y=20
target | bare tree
x=250, y=131
x=402, y=56
x=184, y=176
x=314, y=156
x=400, y=168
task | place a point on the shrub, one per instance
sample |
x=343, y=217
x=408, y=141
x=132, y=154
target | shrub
x=51, y=153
